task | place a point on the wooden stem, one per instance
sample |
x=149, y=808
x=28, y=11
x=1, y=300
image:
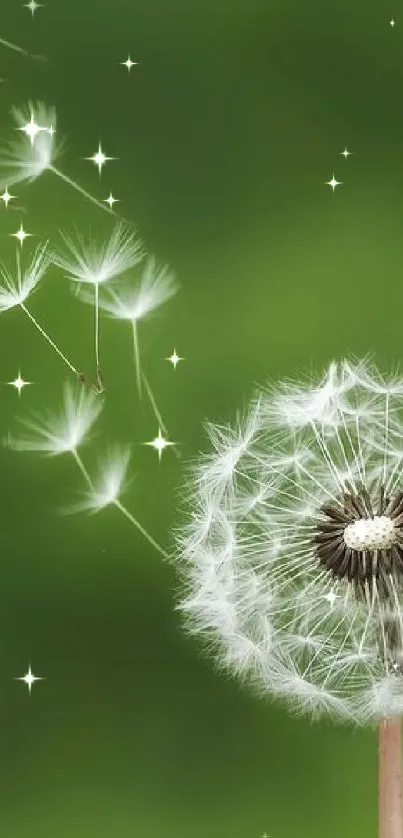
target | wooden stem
x=390, y=779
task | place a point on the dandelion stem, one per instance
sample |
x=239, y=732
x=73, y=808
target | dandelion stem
x=50, y=341
x=136, y=356
x=20, y=50
x=137, y=524
x=154, y=406
x=96, y=338
x=82, y=191
x=82, y=468
x=390, y=779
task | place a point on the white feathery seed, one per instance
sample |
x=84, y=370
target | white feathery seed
x=32, y=150
x=110, y=482
x=92, y=262
x=155, y=286
x=22, y=160
x=64, y=431
x=18, y=283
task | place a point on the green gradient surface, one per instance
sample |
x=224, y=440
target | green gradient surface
x=225, y=134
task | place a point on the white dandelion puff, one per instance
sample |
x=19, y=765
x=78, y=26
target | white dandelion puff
x=325, y=483
x=90, y=263
x=23, y=160
x=292, y=561
x=17, y=284
x=135, y=302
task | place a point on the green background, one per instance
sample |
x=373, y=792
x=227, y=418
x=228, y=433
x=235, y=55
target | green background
x=225, y=135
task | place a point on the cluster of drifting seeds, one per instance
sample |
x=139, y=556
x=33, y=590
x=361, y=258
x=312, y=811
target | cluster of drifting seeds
x=100, y=275
x=292, y=563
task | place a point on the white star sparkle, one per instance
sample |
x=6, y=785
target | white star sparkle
x=6, y=197
x=32, y=6
x=331, y=598
x=174, y=359
x=110, y=200
x=31, y=129
x=129, y=63
x=29, y=678
x=333, y=182
x=99, y=158
x=392, y=22
x=159, y=443
x=18, y=383
x=21, y=235
x=346, y=153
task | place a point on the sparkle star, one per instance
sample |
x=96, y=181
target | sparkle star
x=31, y=129
x=159, y=443
x=331, y=598
x=6, y=197
x=174, y=359
x=29, y=679
x=32, y=6
x=333, y=182
x=18, y=383
x=392, y=22
x=99, y=158
x=346, y=153
x=111, y=200
x=129, y=63
x=21, y=235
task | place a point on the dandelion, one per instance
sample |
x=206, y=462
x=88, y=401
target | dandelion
x=93, y=264
x=25, y=161
x=65, y=432
x=17, y=284
x=292, y=563
x=155, y=287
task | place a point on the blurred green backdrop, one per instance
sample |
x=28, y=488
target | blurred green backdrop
x=225, y=134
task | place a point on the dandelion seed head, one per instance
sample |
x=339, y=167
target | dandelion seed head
x=292, y=558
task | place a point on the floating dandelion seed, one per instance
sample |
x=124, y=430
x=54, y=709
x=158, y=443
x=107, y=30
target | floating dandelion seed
x=91, y=263
x=62, y=432
x=24, y=160
x=17, y=284
x=133, y=303
x=106, y=491
x=65, y=432
x=292, y=563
